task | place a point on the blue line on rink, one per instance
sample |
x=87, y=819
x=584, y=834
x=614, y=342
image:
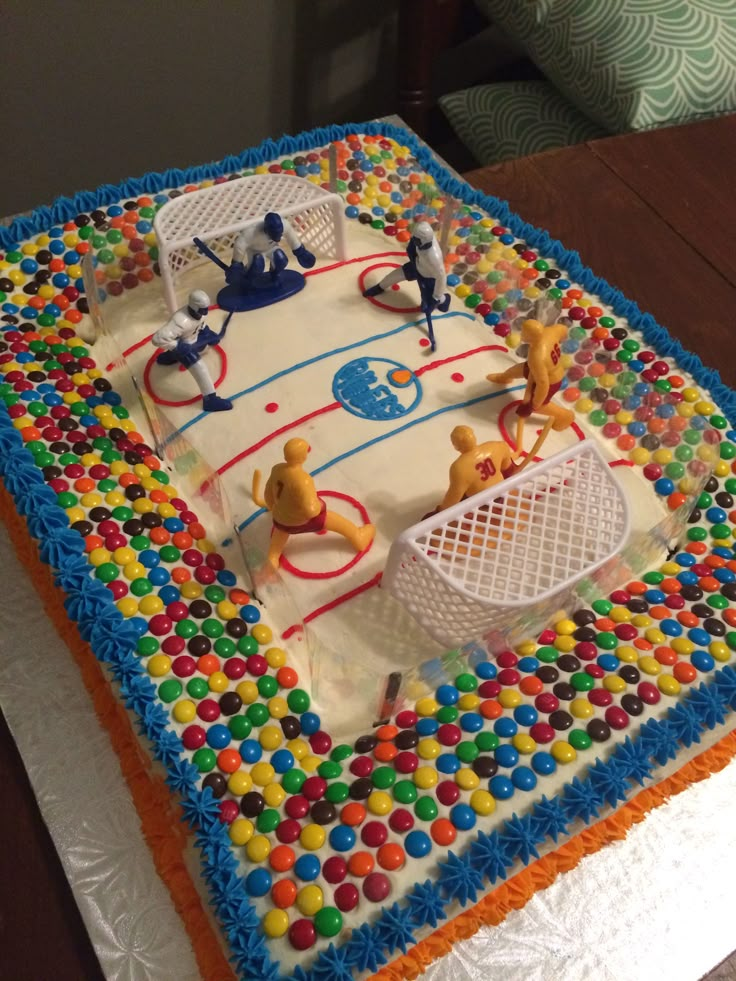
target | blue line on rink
x=327, y=354
x=395, y=432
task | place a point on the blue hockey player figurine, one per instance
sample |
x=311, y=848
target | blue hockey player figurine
x=426, y=266
x=183, y=338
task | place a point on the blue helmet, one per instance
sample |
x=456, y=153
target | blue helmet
x=273, y=226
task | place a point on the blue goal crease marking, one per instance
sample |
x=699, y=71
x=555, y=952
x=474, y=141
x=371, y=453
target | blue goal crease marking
x=394, y=432
x=328, y=354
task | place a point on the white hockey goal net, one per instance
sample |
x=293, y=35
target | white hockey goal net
x=218, y=213
x=484, y=563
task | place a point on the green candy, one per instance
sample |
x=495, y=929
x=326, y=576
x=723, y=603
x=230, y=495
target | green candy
x=141, y=587
x=329, y=770
x=341, y=752
x=298, y=700
x=267, y=686
x=581, y=681
x=147, y=646
x=139, y=542
x=204, y=759
x=268, y=820
x=186, y=628
x=383, y=777
x=170, y=553
x=653, y=578
x=240, y=727
x=66, y=499
x=328, y=921
x=548, y=655
x=579, y=739
x=292, y=781
x=448, y=713
x=487, y=741
x=107, y=572
x=466, y=682
x=602, y=607
x=337, y=792
x=122, y=514
x=607, y=641
x=197, y=688
x=212, y=628
x=169, y=690
x=215, y=594
x=405, y=792
x=466, y=752
x=258, y=714
x=224, y=647
x=248, y=645
x=426, y=809
x=607, y=322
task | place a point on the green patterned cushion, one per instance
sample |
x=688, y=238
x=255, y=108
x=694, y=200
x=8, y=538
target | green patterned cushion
x=631, y=64
x=513, y=119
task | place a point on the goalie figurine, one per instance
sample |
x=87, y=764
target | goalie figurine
x=426, y=265
x=250, y=284
x=184, y=338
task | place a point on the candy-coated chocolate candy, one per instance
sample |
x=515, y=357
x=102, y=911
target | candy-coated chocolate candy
x=302, y=934
x=346, y=897
x=376, y=887
x=276, y=923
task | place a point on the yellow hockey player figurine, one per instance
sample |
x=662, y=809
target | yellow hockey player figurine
x=478, y=467
x=296, y=508
x=544, y=372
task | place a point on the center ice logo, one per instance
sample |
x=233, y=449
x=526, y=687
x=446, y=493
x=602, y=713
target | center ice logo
x=377, y=388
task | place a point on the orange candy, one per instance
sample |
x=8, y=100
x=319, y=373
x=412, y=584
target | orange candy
x=126, y=479
x=684, y=672
x=158, y=496
x=604, y=623
x=229, y=760
x=385, y=752
x=385, y=733
x=92, y=542
x=665, y=655
x=182, y=540
x=287, y=677
x=30, y=432
x=160, y=536
x=390, y=856
x=208, y=664
x=530, y=685
x=180, y=575
x=238, y=596
x=353, y=814
x=670, y=585
x=282, y=858
x=490, y=709
x=636, y=588
x=659, y=612
x=84, y=484
x=709, y=584
x=283, y=892
x=687, y=619
x=360, y=864
x=196, y=530
x=730, y=617
x=443, y=831
x=642, y=644
x=696, y=548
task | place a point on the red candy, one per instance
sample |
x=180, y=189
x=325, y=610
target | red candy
x=401, y=820
x=302, y=934
x=314, y=787
x=448, y=792
x=616, y=717
x=288, y=831
x=297, y=806
x=194, y=737
x=376, y=887
x=346, y=897
x=334, y=870
x=374, y=834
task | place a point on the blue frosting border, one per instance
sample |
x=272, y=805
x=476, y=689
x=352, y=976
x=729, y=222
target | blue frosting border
x=113, y=639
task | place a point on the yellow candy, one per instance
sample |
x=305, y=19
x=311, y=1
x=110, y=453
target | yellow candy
x=467, y=779
x=719, y=651
x=166, y=510
x=565, y=627
x=248, y=691
x=641, y=620
x=482, y=802
x=262, y=773
x=670, y=568
x=565, y=644
x=655, y=636
x=143, y=505
x=524, y=743
x=425, y=777
x=115, y=499
x=627, y=654
x=310, y=763
x=189, y=590
x=277, y=707
x=98, y=556
x=639, y=457
x=218, y=681
x=150, y=605
x=185, y=710
x=312, y=837
x=270, y=737
x=262, y=633
x=468, y=702
x=526, y=648
x=428, y=749
x=668, y=685
x=118, y=467
x=309, y=900
x=685, y=410
x=690, y=394
x=225, y=609
x=584, y=406
x=581, y=708
x=614, y=684
x=75, y=514
x=705, y=408
x=426, y=706
x=276, y=657
x=298, y=748
x=239, y=783
x=273, y=794
x=159, y=665
x=649, y=664
x=379, y=802
x=275, y=923
x=127, y=606
x=563, y=752
x=258, y=848
x=662, y=456
x=623, y=417
x=133, y=570
x=241, y=831
x=681, y=645
x=619, y=614
x=462, y=291
x=509, y=698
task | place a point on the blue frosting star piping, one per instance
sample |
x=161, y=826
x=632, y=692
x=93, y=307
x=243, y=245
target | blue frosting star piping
x=550, y=818
x=364, y=950
x=488, y=855
x=581, y=800
x=660, y=740
x=394, y=927
x=332, y=965
x=520, y=838
x=426, y=904
x=610, y=780
x=686, y=723
x=710, y=705
x=460, y=880
x=634, y=758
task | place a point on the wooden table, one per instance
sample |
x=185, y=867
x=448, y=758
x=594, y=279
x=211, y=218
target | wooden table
x=654, y=214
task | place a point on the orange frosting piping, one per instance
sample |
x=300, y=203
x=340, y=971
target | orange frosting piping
x=519, y=889
x=161, y=823
x=166, y=836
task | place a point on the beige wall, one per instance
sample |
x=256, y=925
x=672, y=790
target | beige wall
x=93, y=91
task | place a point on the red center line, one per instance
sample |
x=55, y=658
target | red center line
x=336, y=405
x=333, y=603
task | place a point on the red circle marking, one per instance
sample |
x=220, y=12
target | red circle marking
x=374, y=300
x=506, y=436
x=272, y=407
x=159, y=401
x=424, y=342
x=304, y=573
x=456, y=376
